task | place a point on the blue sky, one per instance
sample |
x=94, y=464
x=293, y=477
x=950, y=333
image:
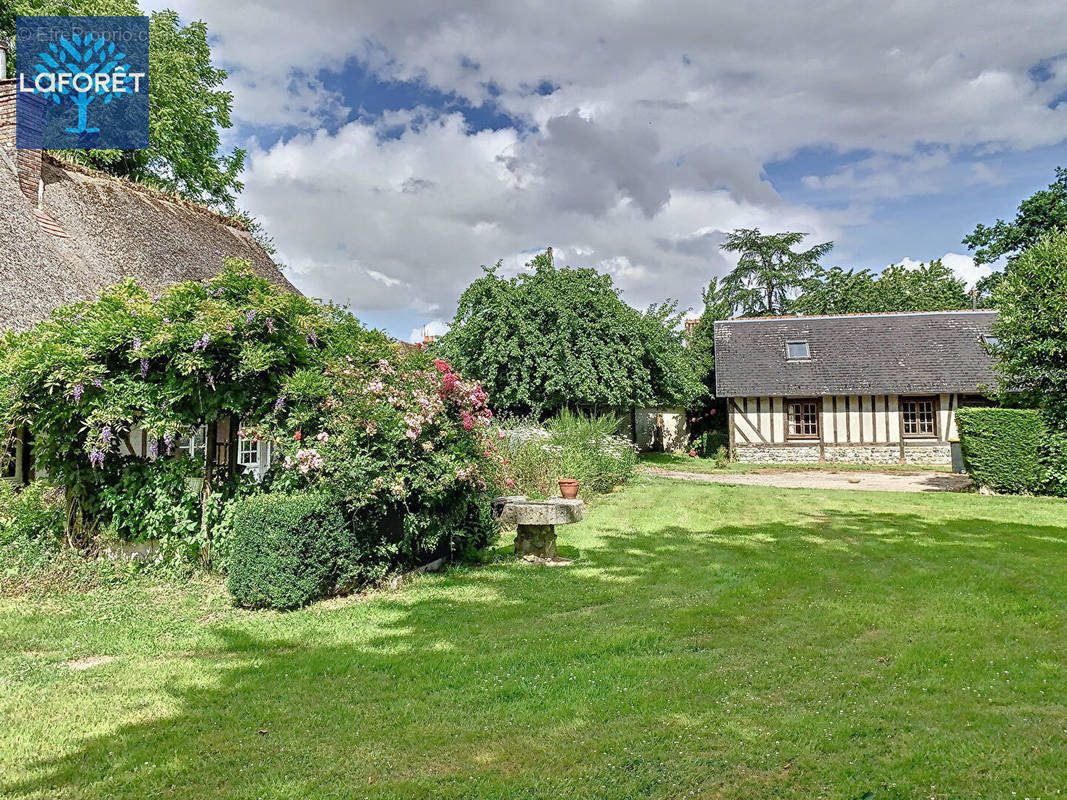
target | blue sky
x=392, y=151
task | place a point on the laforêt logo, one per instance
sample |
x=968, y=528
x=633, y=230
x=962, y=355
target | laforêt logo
x=82, y=82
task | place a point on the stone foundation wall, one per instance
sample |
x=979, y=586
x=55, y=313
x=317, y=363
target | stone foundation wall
x=937, y=454
x=851, y=454
x=755, y=454
x=864, y=454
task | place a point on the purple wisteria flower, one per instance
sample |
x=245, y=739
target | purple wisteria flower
x=270, y=324
x=314, y=337
x=202, y=342
x=144, y=367
x=96, y=458
x=79, y=389
x=251, y=315
x=156, y=298
x=279, y=403
x=98, y=383
x=136, y=342
x=168, y=440
x=105, y=433
x=153, y=448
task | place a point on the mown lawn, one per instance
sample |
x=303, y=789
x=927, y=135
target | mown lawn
x=684, y=463
x=709, y=641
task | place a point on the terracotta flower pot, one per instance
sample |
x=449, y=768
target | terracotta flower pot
x=568, y=488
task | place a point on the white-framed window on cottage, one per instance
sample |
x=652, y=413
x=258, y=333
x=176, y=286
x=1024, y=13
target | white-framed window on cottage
x=194, y=446
x=253, y=456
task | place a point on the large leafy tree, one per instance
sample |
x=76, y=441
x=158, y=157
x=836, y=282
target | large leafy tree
x=928, y=287
x=839, y=291
x=1042, y=212
x=1031, y=329
x=706, y=410
x=702, y=337
x=769, y=271
x=187, y=109
x=562, y=337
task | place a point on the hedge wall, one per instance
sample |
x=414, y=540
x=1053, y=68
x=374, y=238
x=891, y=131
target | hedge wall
x=1002, y=447
x=285, y=549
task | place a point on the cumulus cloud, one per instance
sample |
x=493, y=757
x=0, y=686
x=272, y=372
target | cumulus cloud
x=641, y=132
x=962, y=266
x=433, y=328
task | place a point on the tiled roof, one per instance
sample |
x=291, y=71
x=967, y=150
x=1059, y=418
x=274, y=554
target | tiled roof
x=910, y=353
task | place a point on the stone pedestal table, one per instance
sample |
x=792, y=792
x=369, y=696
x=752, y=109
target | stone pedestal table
x=536, y=521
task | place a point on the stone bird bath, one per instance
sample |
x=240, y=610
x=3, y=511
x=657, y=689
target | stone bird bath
x=536, y=521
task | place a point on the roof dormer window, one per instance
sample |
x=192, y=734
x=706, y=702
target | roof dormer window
x=797, y=351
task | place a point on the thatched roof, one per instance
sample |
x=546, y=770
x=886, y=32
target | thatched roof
x=114, y=230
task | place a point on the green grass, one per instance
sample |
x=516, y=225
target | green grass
x=684, y=463
x=709, y=641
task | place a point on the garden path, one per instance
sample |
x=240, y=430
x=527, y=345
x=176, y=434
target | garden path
x=821, y=479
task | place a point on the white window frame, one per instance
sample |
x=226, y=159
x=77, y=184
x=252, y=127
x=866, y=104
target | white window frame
x=260, y=466
x=194, y=445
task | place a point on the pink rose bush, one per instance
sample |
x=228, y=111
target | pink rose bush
x=388, y=427
x=401, y=441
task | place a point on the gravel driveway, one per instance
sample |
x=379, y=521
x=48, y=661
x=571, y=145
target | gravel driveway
x=819, y=479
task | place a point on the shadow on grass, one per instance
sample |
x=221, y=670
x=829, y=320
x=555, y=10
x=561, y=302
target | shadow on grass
x=479, y=682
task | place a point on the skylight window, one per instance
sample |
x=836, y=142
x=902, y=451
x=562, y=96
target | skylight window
x=990, y=341
x=797, y=351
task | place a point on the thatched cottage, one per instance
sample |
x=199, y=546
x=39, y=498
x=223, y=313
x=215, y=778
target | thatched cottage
x=66, y=233
x=864, y=388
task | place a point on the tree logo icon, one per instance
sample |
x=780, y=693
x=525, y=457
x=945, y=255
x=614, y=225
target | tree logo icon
x=96, y=63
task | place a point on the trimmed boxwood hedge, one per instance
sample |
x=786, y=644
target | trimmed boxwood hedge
x=1002, y=447
x=285, y=550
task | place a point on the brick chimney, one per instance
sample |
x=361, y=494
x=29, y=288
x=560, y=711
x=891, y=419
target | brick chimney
x=27, y=162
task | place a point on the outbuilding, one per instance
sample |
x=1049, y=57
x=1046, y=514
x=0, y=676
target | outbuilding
x=860, y=388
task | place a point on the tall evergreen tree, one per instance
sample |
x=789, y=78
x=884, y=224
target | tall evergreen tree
x=769, y=272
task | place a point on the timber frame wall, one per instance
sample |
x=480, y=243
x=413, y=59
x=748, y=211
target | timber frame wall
x=864, y=427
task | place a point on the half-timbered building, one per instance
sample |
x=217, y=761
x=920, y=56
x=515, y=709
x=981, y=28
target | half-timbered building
x=863, y=388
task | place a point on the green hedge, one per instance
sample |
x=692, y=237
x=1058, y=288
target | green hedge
x=1002, y=447
x=284, y=550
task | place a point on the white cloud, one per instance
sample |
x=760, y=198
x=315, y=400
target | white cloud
x=965, y=268
x=962, y=266
x=390, y=224
x=651, y=144
x=434, y=328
